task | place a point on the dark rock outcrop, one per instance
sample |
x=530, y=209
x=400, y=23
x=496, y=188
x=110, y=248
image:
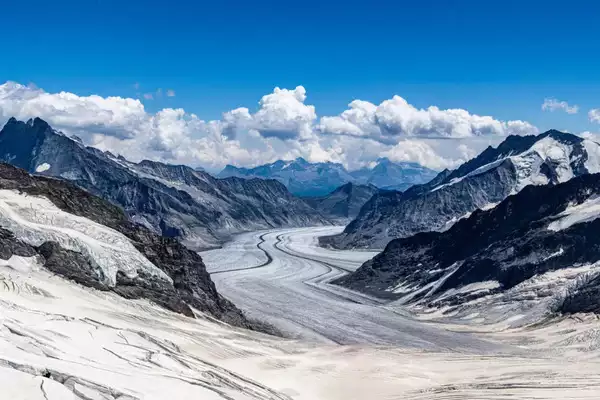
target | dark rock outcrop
x=192, y=286
x=548, y=158
x=171, y=200
x=509, y=244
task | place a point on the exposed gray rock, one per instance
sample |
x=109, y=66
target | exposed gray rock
x=191, y=286
x=549, y=158
x=171, y=200
x=508, y=245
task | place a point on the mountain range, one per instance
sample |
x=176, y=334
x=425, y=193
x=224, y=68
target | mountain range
x=549, y=158
x=171, y=200
x=319, y=179
x=539, y=245
x=54, y=224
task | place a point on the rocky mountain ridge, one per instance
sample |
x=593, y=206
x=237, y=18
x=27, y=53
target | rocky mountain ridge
x=319, y=179
x=172, y=200
x=538, y=246
x=483, y=182
x=84, y=238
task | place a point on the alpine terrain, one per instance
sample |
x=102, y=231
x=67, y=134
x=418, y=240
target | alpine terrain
x=344, y=202
x=50, y=223
x=534, y=254
x=171, y=200
x=319, y=179
x=549, y=158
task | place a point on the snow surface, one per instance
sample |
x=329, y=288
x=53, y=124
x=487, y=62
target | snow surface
x=42, y=167
x=294, y=293
x=35, y=220
x=528, y=163
x=61, y=341
x=587, y=211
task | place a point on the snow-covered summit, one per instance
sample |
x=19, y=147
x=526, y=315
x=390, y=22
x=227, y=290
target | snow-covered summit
x=549, y=158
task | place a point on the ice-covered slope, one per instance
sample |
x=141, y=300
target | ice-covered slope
x=35, y=220
x=549, y=158
x=86, y=239
x=344, y=202
x=319, y=179
x=60, y=341
x=536, y=252
x=172, y=200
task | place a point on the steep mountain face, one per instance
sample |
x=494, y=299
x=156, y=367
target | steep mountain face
x=344, y=202
x=54, y=224
x=317, y=180
x=171, y=200
x=540, y=245
x=549, y=158
x=394, y=176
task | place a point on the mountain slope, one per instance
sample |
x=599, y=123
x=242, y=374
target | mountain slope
x=344, y=202
x=176, y=201
x=81, y=237
x=393, y=176
x=319, y=179
x=537, y=246
x=549, y=158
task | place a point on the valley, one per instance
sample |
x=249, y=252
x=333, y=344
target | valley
x=283, y=277
x=61, y=341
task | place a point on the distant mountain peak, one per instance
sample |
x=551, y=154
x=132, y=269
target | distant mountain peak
x=319, y=179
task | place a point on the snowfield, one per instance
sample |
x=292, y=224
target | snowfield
x=35, y=220
x=587, y=211
x=60, y=341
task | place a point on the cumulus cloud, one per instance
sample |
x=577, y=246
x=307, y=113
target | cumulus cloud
x=594, y=115
x=396, y=118
x=551, y=104
x=283, y=126
x=282, y=114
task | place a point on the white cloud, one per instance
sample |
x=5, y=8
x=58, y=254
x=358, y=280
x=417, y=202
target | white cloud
x=282, y=114
x=594, y=115
x=283, y=126
x=148, y=96
x=395, y=119
x=170, y=93
x=551, y=104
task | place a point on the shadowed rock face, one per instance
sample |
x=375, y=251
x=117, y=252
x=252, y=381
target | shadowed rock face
x=549, y=158
x=191, y=286
x=171, y=200
x=344, y=202
x=508, y=244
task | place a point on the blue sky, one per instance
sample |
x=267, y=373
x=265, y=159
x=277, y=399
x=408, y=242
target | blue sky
x=488, y=57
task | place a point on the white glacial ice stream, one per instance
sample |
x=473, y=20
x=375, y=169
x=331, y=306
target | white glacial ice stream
x=61, y=341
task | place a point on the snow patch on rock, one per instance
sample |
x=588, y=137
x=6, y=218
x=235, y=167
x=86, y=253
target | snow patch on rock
x=42, y=167
x=587, y=211
x=35, y=220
